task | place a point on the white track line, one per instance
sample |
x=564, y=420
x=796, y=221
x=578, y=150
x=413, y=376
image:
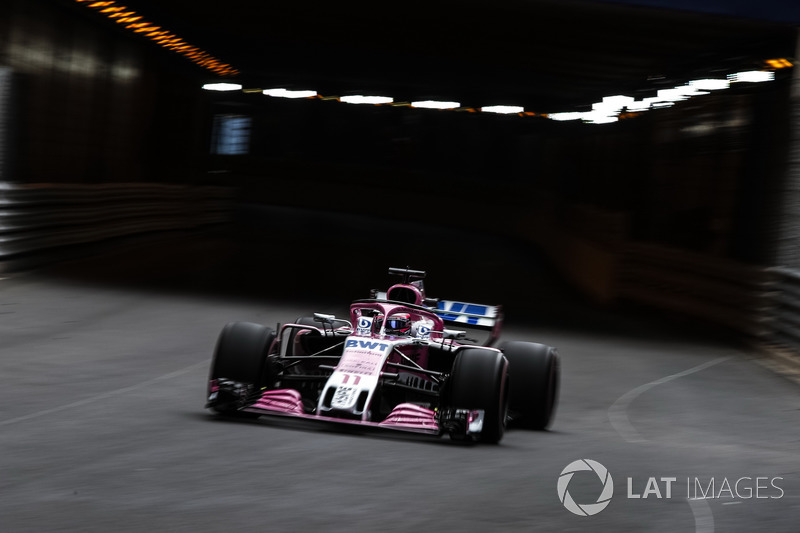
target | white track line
x=618, y=412
x=618, y=416
x=104, y=395
x=703, y=517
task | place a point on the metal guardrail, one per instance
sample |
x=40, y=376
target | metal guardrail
x=715, y=290
x=41, y=216
x=783, y=319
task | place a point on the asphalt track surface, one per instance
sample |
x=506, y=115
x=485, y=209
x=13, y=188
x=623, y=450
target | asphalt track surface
x=102, y=427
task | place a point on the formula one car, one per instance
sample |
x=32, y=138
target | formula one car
x=395, y=364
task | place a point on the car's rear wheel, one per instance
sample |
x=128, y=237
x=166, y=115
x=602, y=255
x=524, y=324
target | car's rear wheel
x=479, y=380
x=241, y=357
x=534, y=374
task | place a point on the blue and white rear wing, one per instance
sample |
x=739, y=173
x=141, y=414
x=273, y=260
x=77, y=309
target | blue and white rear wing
x=475, y=315
x=483, y=316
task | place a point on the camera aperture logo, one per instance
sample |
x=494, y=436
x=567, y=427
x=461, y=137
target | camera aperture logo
x=586, y=509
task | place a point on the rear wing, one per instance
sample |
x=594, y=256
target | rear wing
x=487, y=317
x=482, y=316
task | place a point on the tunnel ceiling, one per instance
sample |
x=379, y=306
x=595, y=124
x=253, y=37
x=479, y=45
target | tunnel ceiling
x=547, y=55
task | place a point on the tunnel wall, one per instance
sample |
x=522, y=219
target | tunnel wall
x=92, y=103
x=99, y=135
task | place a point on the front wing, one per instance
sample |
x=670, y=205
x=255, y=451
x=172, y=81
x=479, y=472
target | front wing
x=409, y=417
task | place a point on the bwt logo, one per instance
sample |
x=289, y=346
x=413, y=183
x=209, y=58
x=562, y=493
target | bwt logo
x=366, y=344
x=587, y=509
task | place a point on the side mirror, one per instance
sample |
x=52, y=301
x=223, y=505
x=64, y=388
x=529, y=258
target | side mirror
x=454, y=334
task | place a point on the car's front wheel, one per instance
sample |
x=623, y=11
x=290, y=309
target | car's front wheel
x=240, y=362
x=479, y=381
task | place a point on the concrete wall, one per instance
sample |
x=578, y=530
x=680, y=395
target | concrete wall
x=92, y=103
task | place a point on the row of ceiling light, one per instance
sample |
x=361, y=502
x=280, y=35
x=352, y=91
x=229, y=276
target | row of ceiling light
x=363, y=99
x=610, y=109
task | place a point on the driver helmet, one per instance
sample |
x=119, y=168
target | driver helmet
x=398, y=324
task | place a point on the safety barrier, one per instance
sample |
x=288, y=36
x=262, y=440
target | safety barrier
x=36, y=217
x=783, y=319
x=592, y=250
x=715, y=290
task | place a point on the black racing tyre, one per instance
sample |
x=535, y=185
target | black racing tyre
x=479, y=380
x=241, y=356
x=534, y=374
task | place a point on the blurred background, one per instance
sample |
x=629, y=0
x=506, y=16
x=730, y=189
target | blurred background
x=524, y=152
x=622, y=176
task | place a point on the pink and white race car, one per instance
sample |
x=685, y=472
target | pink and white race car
x=395, y=364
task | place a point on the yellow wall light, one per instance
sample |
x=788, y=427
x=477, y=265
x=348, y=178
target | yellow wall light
x=779, y=63
x=133, y=21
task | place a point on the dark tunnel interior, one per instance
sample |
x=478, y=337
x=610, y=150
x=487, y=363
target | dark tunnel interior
x=184, y=183
x=315, y=198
